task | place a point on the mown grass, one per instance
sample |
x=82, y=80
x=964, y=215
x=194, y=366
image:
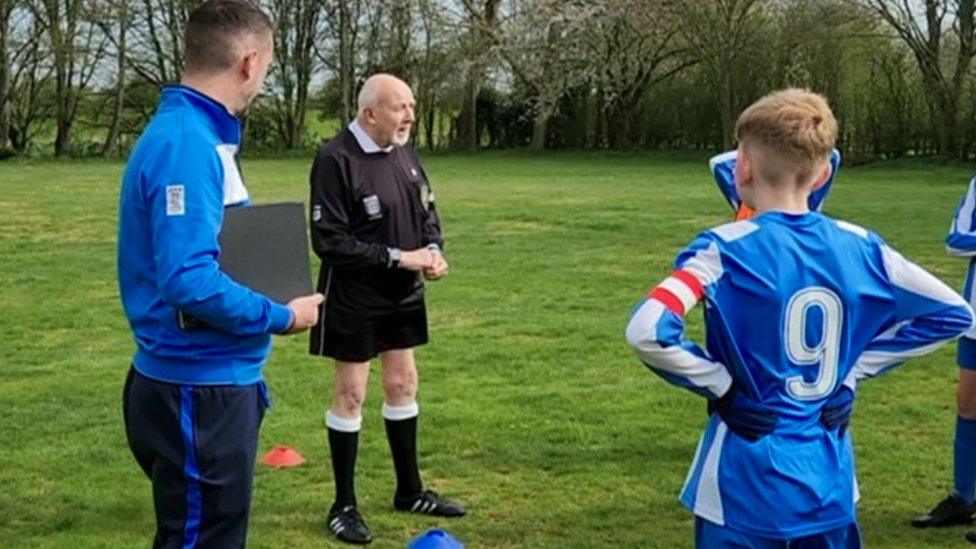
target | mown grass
x=534, y=412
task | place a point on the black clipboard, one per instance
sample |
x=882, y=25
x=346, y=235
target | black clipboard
x=266, y=249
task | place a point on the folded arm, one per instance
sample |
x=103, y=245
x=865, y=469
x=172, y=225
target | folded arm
x=928, y=315
x=656, y=333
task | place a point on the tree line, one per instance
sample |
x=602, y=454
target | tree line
x=82, y=77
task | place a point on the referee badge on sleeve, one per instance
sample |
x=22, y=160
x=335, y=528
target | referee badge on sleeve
x=371, y=204
x=426, y=195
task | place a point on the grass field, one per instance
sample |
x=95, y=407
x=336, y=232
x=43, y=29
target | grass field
x=533, y=410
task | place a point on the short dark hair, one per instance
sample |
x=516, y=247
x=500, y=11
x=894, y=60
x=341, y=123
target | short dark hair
x=208, y=39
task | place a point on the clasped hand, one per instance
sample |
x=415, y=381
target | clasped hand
x=429, y=262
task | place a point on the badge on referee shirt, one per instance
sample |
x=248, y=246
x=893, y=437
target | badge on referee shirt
x=426, y=195
x=371, y=204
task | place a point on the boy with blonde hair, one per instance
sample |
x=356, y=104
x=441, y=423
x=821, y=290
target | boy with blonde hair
x=798, y=307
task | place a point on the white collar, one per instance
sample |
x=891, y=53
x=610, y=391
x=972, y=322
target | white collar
x=365, y=141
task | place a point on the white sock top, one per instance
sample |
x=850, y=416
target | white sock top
x=398, y=413
x=345, y=425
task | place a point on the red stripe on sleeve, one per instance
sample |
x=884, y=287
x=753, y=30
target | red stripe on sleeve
x=691, y=281
x=669, y=300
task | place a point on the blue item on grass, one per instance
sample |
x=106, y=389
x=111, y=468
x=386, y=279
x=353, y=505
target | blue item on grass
x=435, y=538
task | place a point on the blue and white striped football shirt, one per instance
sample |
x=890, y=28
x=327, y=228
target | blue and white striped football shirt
x=795, y=306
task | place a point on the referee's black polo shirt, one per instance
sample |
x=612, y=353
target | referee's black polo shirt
x=364, y=201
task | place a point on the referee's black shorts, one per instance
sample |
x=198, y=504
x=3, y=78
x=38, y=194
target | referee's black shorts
x=353, y=337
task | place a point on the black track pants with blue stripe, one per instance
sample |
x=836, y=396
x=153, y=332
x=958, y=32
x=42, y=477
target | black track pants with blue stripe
x=197, y=444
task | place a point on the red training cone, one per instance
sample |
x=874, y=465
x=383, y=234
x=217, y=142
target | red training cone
x=280, y=457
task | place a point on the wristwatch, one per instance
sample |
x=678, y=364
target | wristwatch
x=394, y=256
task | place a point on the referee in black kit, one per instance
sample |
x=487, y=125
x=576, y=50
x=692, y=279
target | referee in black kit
x=376, y=229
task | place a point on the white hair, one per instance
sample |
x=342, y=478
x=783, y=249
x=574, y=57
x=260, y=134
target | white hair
x=375, y=86
x=368, y=95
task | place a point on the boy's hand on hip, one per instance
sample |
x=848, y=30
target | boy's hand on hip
x=743, y=416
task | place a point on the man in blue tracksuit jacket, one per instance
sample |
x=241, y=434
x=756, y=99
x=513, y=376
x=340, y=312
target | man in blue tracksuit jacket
x=195, y=396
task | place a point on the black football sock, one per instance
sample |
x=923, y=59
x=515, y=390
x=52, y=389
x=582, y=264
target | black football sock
x=401, y=432
x=343, y=444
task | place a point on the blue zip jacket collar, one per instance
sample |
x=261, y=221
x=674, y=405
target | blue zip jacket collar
x=224, y=123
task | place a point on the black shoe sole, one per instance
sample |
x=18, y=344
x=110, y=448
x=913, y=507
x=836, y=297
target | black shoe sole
x=353, y=541
x=922, y=524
